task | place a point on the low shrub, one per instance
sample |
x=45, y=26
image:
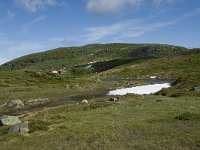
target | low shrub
x=188, y=116
x=37, y=125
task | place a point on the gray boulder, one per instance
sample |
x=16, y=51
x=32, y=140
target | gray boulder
x=9, y=120
x=19, y=127
x=15, y=104
x=197, y=88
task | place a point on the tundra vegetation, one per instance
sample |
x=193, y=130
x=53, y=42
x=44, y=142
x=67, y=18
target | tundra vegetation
x=169, y=119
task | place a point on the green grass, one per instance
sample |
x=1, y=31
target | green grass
x=37, y=125
x=171, y=121
x=188, y=116
x=133, y=123
x=35, y=84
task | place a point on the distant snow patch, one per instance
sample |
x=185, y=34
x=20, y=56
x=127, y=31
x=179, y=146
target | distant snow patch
x=140, y=90
x=92, y=62
x=153, y=77
x=89, y=66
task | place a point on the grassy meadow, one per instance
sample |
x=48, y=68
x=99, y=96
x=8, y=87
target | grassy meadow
x=136, y=122
x=169, y=119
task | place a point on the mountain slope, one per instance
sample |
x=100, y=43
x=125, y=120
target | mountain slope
x=81, y=65
x=72, y=56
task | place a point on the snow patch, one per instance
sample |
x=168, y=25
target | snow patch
x=140, y=90
x=153, y=77
x=89, y=66
x=92, y=62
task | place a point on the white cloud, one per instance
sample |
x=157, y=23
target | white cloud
x=12, y=49
x=4, y=60
x=131, y=28
x=34, y=5
x=56, y=39
x=4, y=41
x=23, y=47
x=160, y=2
x=96, y=33
x=113, y=6
x=66, y=41
x=10, y=14
x=38, y=19
x=26, y=27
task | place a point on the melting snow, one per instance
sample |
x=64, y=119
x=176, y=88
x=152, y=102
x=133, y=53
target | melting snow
x=140, y=90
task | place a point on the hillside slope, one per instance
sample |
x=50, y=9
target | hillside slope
x=169, y=119
x=87, y=65
x=72, y=56
x=184, y=67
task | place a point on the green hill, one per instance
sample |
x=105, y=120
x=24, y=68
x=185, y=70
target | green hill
x=73, y=56
x=80, y=65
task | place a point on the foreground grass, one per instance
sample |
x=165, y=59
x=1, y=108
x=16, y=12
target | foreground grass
x=136, y=122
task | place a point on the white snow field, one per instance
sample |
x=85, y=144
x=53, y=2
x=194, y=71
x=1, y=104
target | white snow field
x=140, y=90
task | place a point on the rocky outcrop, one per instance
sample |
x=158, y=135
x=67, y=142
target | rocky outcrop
x=19, y=127
x=20, y=104
x=9, y=120
x=15, y=104
x=36, y=101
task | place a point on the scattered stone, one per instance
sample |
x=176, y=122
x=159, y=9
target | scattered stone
x=9, y=120
x=114, y=99
x=19, y=127
x=85, y=101
x=77, y=104
x=15, y=104
x=4, y=105
x=197, y=88
x=36, y=101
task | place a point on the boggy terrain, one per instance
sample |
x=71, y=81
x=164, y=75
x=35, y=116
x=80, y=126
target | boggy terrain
x=62, y=93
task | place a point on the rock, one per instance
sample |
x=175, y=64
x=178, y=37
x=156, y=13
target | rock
x=9, y=120
x=197, y=88
x=15, y=104
x=85, y=101
x=4, y=105
x=37, y=101
x=19, y=127
x=114, y=99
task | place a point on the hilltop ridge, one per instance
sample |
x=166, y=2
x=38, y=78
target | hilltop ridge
x=71, y=56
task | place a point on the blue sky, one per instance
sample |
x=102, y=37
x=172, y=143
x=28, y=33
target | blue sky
x=29, y=26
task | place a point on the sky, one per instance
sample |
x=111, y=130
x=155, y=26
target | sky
x=30, y=26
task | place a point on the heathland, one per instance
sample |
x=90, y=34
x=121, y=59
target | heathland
x=53, y=83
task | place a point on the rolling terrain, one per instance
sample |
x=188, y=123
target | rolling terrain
x=72, y=56
x=169, y=119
